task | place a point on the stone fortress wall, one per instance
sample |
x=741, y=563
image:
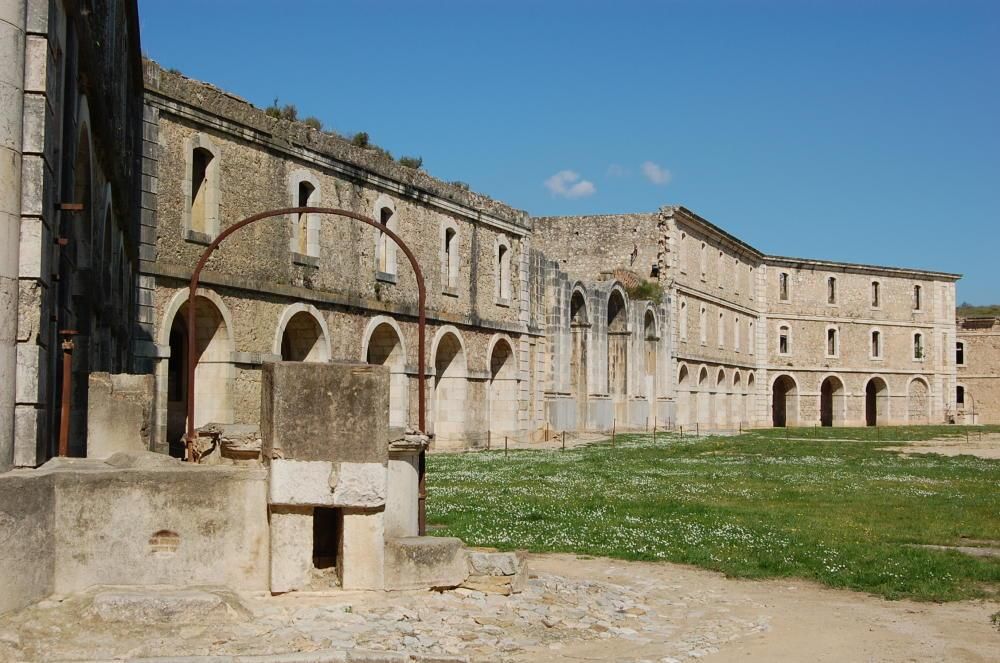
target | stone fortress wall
x=316, y=289
x=767, y=340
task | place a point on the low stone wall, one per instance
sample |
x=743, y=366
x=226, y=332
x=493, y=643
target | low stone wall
x=26, y=539
x=135, y=519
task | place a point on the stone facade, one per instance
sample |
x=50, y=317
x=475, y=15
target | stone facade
x=765, y=340
x=977, y=356
x=70, y=113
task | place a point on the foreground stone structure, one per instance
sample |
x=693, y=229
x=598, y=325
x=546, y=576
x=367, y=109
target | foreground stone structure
x=323, y=508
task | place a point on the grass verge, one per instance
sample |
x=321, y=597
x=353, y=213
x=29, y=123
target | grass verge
x=843, y=512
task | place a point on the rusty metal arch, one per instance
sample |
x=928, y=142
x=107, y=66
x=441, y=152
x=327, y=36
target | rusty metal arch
x=190, y=436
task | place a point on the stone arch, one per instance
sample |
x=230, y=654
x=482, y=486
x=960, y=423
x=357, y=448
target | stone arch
x=450, y=386
x=832, y=401
x=703, y=414
x=617, y=342
x=382, y=344
x=684, y=389
x=202, y=162
x=302, y=335
x=737, y=399
x=784, y=401
x=579, y=323
x=304, y=190
x=450, y=254
x=720, y=406
x=503, y=387
x=651, y=339
x=918, y=400
x=876, y=401
x=214, y=368
x=385, y=249
x=502, y=260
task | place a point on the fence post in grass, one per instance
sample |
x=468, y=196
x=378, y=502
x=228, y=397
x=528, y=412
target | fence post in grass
x=654, y=430
x=564, y=440
x=546, y=437
x=681, y=430
x=614, y=426
x=697, y=429
x=489, y=438
x=504, y=446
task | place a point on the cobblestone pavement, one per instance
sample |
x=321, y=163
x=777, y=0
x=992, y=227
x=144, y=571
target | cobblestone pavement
x=573, y=609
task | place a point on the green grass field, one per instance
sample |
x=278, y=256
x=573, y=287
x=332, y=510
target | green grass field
x=831, y=507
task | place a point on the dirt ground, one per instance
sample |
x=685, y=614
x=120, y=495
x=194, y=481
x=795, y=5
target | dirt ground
x=984, y=445
x=574, y=609
x=798, y=621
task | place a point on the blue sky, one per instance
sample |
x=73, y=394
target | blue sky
x=850, y=130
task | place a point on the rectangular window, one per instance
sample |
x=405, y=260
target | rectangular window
x=918, y=346
x=916, y=298
x=960, y=396
x=876, y=344
x=876, y=294
x=831, y=290
x=722, y=330
x=831, y=342
x=783, y=286
x=960, y=353
x=783, y=340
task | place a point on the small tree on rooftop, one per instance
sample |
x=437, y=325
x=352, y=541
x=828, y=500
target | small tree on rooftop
x=411, y=162
x=360, y=139
x=313, y=122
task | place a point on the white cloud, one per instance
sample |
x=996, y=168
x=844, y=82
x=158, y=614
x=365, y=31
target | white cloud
x=655, y=173
x=617, y=170
x=568, y=184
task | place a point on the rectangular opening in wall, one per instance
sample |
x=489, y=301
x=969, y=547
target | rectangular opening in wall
x=327, y=527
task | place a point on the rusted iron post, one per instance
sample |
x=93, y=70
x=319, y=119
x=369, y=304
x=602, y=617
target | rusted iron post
x=504, y=446
x=564, y=440
x=654, y=431
x=67, y=389
x=614, y=426
x=190, y=437
x=489, y=438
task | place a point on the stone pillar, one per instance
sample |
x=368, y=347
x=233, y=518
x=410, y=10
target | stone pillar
x=12, y=26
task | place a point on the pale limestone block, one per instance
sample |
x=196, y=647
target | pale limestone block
x=300, y=482
x=493, y=563
x=291, y=547
x=360, y=485
x=119, y=413
x=363, y=549
x=401, y=505
x=422, y=562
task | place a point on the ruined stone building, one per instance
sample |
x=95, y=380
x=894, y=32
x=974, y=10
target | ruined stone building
x=70, y=122
x=977, y=357
x=762, y=340
x=534, y=324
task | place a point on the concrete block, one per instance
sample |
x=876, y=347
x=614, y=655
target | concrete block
x=422, y=562
x=119, y=413
x=359, y=485
x=362, y=553
x=291, y=547
x=334, y=411
x=300, y=482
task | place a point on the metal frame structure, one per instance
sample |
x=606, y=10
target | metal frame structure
x=191, y=436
